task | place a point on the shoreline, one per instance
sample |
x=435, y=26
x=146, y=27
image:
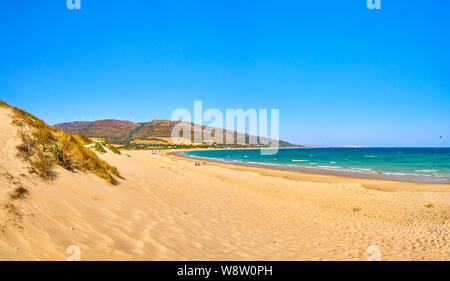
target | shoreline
x=381, y=184
x=318, y=171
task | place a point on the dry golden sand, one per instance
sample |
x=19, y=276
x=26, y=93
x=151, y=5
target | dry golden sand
x=166, y=208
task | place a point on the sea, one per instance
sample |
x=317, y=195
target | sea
x=396, y=163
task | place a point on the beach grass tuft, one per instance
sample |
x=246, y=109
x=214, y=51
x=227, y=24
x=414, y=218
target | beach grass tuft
x=43, y=147
x=18, y=193
x=86, y=160
x=113, y=149
x=13, y=211
x=82, y=139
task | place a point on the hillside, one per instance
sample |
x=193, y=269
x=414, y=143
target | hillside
x=126, y=132
x=102, y=128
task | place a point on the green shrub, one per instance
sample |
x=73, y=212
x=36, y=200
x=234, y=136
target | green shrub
x=61, y=157
x=99, y=147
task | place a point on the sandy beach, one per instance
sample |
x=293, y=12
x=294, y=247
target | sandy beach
x=206, y=133
x=166, y=208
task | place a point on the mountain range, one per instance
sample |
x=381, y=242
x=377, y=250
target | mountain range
x=157, y=131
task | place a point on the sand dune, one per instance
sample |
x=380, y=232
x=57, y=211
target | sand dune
x=166, y=208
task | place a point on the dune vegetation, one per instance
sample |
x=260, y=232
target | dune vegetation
x=82, y=139
x=42, y=147
x=98, y=146
x=113, y=149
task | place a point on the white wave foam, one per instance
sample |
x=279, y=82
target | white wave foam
x=330, y=167
x=360, y=169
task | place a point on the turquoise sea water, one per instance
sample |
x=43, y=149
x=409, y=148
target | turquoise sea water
x=415, y=164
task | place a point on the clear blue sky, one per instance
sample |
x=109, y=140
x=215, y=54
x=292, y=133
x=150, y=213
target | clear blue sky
x=340, y=74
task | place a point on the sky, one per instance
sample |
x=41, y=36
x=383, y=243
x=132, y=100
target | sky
x=339, y=73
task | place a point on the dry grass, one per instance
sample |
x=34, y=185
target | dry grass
x=82, y=139
x=13, y=211
x=14, y=217
x=44, y=146
x=18, y=193
x=99, y=140
x=85, y=160
x=113, y=149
